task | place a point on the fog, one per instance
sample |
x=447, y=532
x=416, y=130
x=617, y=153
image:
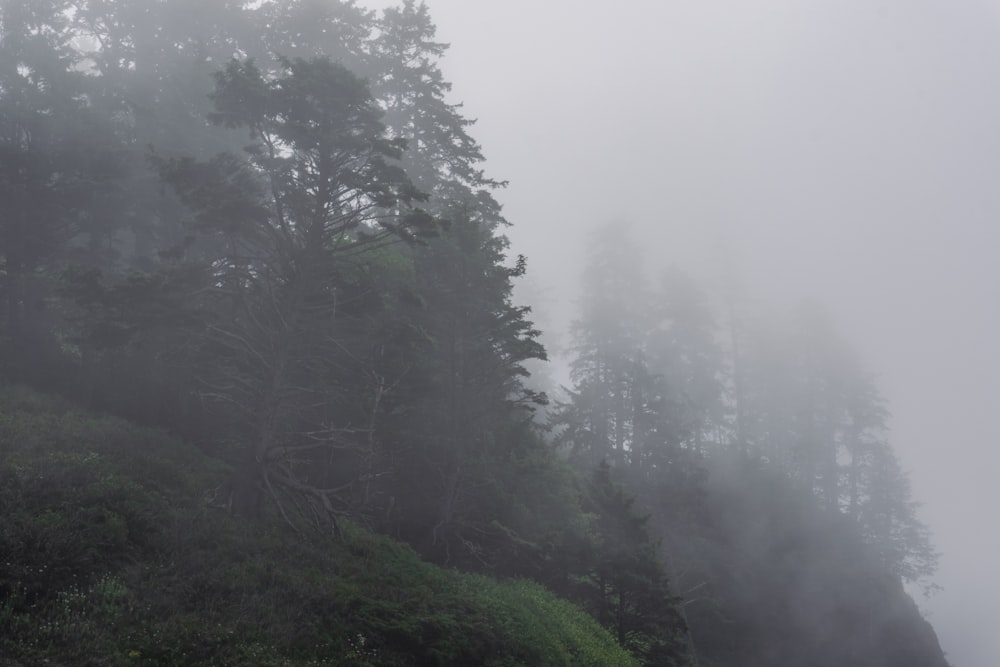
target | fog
x=844, y=152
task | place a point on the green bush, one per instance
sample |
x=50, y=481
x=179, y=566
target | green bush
x=111, y=557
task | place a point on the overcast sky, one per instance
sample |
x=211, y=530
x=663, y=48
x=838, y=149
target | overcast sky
x=842, y=150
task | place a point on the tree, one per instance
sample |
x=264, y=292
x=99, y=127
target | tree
x=614, y=571
x=648, y=373
x=467, y=407
x=677, y=383
x=888, y=517
x=58, y=157
x=797, y=386
x=598, y=422
x=444, y=160
x=319, y=189
x=684, y=353
x=336, y=29
x=152, y=62
x=816, y=414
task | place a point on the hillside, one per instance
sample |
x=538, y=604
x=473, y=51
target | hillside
x=113, y=556
x=265, y=229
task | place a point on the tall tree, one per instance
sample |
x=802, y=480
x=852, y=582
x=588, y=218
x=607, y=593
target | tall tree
x=613, y=569
x=880, y=499
x=318, y=189
x=686, y=351
x=153, y=61
x=798, y=383
x=598, y=421
x=468, y=406
x=444, y=160
x=58, y=157
x=337, y=29
x=816, y=414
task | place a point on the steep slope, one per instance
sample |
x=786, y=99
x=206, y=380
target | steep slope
x=113, y=556
x=775, y=581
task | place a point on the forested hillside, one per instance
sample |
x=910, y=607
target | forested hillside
x=265, y=229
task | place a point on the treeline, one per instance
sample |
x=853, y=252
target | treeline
x=759, y=449
x=264, y=227
x=662, y=380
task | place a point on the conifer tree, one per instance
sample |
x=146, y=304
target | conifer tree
x=318, y=190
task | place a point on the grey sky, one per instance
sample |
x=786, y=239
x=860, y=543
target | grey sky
x=845, y=150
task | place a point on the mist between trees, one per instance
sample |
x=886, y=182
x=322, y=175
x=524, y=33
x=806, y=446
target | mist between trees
x=265, y=228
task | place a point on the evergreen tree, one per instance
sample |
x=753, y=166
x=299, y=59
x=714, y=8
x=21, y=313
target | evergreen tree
x=59, y=159
x=336, y=29
x=599, y=420
x=317, y=191
x=684, y=352
x=443, y=160
x=817, y=415
x=465, y=389
x=614, y=570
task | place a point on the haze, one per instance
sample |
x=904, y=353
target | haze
x=845, y=152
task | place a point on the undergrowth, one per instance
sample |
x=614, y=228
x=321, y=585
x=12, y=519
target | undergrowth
x=109, y=555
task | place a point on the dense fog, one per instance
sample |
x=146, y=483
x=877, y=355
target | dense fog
x=842, y=152
x=454, y=332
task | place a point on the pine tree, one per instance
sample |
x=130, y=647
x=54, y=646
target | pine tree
x=318, y=191
x=444, y=160
x=58, y=160
x=599, y=420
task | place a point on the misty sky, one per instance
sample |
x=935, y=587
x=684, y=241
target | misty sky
x=847, y=151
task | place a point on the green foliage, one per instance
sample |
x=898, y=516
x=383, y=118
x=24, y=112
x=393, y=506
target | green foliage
x=111, y=553
x=443, y=159
x=551, y=628
x=610, y=565
x=461, y=426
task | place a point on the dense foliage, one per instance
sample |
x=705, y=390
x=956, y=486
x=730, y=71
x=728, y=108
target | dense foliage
x=263, y=228
x=112, y=556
